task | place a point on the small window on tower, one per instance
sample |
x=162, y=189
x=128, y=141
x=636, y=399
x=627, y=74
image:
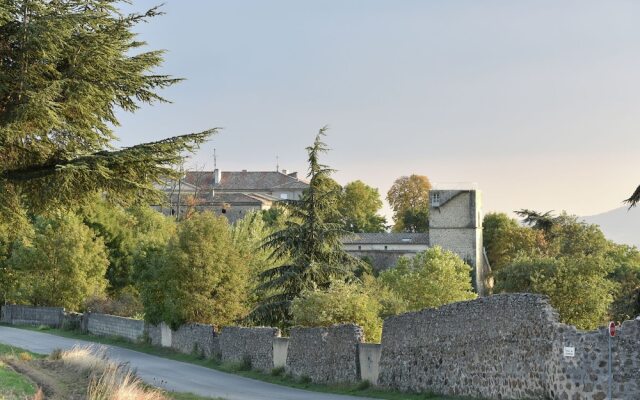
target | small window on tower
x=435, y=199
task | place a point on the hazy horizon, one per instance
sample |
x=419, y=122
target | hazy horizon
x=535, y=101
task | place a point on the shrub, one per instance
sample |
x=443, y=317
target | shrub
x=430, y=279
x=340, y=303
x=126, y=303
x=200, y=277
x=62, y=265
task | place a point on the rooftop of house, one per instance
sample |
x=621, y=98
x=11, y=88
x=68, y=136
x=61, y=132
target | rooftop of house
x=246, y=180
x=207, y=198
x=388, y=238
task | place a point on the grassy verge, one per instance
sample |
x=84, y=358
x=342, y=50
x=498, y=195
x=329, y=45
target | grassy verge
x=277, y=377
x=12, y=384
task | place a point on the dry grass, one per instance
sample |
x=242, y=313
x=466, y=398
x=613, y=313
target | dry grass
x=107, y=380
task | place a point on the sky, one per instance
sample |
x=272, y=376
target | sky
x=535, y=101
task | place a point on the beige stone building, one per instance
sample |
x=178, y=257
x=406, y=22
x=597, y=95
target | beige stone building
x=231, y=193
x=455, y=224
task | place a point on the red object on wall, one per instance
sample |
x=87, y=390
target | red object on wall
x=612, y=329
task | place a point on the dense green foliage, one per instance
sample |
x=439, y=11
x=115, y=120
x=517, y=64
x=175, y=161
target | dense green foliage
x=340, y=303
x=505, y=240
x=409, y=200
x=577, y=286
x=200, y=277
x=359, y=206
x=66, y=68
x=588, y=278
x=430, y=279
x=61, y=265
x=309, y=245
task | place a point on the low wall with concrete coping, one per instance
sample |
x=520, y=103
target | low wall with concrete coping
x=26, y=315
x=111, y=325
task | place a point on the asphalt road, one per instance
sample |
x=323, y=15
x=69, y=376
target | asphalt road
x=169, y=374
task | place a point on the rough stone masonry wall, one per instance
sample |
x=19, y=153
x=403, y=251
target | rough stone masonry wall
x=111, y=325
x=585, y=376
x=25, y=315
x=195, y=338
x=255, y=344
x=506, y=347
x=495, y=348
x=326, y=355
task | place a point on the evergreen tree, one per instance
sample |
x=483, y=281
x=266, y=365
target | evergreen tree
x=66, y=67
x=310, y=242
x=634, y=199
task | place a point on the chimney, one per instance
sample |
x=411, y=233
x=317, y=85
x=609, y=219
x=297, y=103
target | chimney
x=285, y=171
x=217, y=175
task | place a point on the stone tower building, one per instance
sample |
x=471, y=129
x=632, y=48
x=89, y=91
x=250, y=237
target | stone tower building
x=455, y=224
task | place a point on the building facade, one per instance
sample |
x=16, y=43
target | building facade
x=230, y=193
x=455, y=224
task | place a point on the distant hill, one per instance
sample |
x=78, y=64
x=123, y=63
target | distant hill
x=620, y=225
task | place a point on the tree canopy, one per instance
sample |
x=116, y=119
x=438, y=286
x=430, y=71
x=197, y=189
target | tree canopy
x=359, y=206
x=66, y=67
x=409, y=200
x=61, y=265
x=200, y=277
x=430, y=279
x=588, y=278
x=309, y=244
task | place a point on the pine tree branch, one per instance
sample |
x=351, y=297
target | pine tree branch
x=154, y=157
x=634, y=199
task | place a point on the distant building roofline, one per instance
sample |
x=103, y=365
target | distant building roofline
x=454, y=186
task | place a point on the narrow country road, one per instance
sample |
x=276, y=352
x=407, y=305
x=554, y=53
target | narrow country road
x=169, y=374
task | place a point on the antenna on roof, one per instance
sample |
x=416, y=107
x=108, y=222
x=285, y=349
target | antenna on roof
x=215, y=166
x=277, y=163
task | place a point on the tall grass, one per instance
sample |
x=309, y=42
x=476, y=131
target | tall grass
x=107, y=380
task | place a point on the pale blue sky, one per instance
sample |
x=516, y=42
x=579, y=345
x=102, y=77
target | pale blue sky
x=536, y=101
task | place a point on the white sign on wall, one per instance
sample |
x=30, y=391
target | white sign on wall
x=569, y=351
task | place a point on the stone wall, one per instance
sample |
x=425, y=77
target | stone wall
x=154, y=334
x=25, y=315
x=197, y=339
x=585, y=376
x=238, y=344
x=505, y=346
x=111, y=325
x=325, y=355
x=499, y=347
x=494, y=347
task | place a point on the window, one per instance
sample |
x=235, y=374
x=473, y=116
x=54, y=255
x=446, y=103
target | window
x=359, y=247
x=435, y=199
x=284, y=196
